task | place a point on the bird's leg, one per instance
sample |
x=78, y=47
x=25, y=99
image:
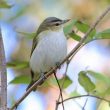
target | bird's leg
x=58, y=65
x=31, y=83
x=60, y=90
x=43, y=75
x=32, y=80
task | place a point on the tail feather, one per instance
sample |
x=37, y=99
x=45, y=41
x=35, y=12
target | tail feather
x=32, y=81
x=34, y=78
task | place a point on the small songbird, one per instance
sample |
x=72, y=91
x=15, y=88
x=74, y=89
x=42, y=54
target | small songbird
x=49, y=47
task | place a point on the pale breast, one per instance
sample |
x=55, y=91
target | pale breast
x=51, y=49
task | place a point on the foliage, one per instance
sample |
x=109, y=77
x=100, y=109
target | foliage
x=3, y=4
x=87, y=79
x=84, y=79
x=22, y=79
x=86, y=82
x=18, y=64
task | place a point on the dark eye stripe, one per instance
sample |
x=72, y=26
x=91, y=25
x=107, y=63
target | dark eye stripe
x=56, y=23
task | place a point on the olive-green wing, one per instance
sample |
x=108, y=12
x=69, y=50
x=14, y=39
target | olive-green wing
x=35, y=41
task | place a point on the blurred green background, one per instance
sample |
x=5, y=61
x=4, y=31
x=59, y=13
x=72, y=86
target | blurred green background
x=19, y=19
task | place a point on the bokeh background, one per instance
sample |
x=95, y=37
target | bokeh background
x=24, y=17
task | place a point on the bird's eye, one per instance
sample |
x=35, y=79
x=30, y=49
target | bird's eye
x=57, y=24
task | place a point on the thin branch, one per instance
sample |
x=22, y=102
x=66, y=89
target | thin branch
x=60, y=92
x=75, y=97
x=85, y=104
x=73, y=52
x=3, y=77
x=68, y=61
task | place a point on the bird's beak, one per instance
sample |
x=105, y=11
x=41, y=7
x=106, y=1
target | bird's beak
x=65, y=21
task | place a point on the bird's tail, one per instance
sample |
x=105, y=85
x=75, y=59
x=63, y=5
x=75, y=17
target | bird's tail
x=34, y=78
x=32, y=81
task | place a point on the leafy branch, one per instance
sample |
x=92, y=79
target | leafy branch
x=71, y=54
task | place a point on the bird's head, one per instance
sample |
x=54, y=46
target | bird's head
x=52, y=23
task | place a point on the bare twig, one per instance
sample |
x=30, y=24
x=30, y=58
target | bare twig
x=75, y=97
x=73, y=52
x=85, y=104
x=68, y=61
x=60, y=92
x=3, y=77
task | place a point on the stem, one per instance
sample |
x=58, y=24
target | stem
x=85, y=96
x=60, y=92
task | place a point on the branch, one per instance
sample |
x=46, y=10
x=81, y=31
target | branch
x=85, y=104
x=3, y=77
x=68, y=62
x=73, y=52
x=60, y=91
x=75, y=97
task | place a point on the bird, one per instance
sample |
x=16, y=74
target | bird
x=49, y=47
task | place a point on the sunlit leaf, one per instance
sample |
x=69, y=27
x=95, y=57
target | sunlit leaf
x=67, y=82
x=74, y=93
x=103, y=35
x=99, y=76
x=18, y=64
x=100, y=35
x=68, y=29
x=86, y=82
x=82, y=26
x=66, y=79
x=107, y=92
x=3, y=4
x=75, y=36
x=22, y=79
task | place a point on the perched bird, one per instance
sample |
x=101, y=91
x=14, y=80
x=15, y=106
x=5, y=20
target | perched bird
x=49, y=47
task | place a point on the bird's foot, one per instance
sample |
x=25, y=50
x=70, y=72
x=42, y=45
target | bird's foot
x=58, y=65
x=31, y=83
x=43, y=76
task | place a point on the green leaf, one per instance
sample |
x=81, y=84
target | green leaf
x=3, y=4
x=22, y=79
x=86, y=82
x=100, y=35
x=28, y=35
x=103, y=35
x=67, y=82
x=107, y=92
x=75, y=36
x=99, y=76
x=68, y=29
x=82, y=26
x=74, y=93
x=66, y=79
x=18, y=65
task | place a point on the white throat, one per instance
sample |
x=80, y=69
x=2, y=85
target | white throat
x=51, y=32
